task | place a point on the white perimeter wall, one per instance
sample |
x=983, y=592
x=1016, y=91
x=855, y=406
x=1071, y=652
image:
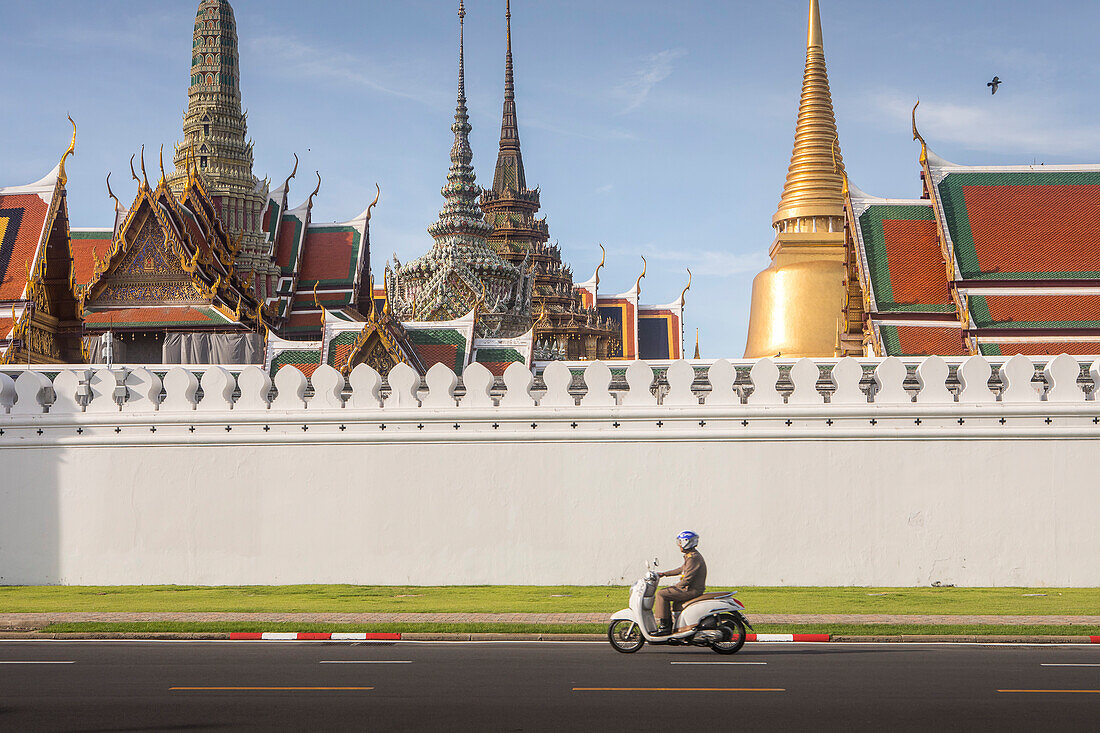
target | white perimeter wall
x=770, y=512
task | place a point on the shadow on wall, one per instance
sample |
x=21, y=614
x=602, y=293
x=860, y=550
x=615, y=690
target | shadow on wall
x=30, y=534
x=30, y=522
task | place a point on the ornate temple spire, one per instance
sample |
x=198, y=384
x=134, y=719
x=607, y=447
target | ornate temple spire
x=462, y=272
x=215, y=136
x=813, y=186
x=509, y=172
x=798, y=301
x=461, y=213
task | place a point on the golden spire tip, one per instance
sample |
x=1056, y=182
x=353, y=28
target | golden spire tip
x=813, y=35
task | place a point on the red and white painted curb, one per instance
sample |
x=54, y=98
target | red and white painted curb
x=1095, y=639
x=787, y=637
x=309, y=636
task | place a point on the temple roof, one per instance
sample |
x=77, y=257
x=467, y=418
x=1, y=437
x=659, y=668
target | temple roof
x=1020, y=222
x=24, y=226
x=86, y=244
x=900, y=256
x=921, y=340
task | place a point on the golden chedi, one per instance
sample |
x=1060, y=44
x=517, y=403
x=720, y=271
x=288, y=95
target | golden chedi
x=798, y=301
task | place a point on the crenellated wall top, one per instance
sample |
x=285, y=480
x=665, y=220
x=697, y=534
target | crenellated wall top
x=931, y=398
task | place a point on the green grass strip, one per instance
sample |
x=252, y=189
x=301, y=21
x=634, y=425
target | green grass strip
x=495, y=628
x=533, y=599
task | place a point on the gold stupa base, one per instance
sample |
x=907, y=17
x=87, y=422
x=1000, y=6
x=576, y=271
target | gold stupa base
x=797, y=301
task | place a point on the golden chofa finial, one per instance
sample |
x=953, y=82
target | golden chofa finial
x=918, y=137
x=638, y=284
x=309, y=201
x=686, y=288
x=603, y=261
x=374, y=203
x=71, y=151
x=133, y=174
x=163, y=175
x=144, y=176
x=118, y=204
x=293, y=173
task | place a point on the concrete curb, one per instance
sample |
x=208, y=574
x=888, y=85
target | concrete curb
x=429, y=636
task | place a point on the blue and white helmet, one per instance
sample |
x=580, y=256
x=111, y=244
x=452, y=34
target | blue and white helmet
x=687, y=539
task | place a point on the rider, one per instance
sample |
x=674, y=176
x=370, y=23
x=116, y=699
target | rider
x=693, y=582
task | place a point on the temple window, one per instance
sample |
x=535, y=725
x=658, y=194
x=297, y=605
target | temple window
x=209, y=78
x=206, y=130
x=202, y=162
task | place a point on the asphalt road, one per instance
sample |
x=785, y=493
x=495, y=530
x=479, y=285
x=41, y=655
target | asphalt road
x=210, y=686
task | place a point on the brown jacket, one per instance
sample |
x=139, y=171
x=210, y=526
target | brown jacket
x=693, y=572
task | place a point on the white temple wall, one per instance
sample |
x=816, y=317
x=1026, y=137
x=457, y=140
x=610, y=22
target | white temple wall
x=804, y=512
x=113, y=478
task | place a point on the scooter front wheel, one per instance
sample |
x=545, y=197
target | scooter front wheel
x=733, y=628
x=625, y=636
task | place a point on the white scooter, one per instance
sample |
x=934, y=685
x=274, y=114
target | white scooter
x=713, y=619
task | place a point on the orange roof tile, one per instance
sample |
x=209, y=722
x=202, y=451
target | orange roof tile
x=918, y=274
x=922, y=341
x=22, y=217
x=84, y=244
x=328, y=255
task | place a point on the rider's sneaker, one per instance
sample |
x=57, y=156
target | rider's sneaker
x=663, y=630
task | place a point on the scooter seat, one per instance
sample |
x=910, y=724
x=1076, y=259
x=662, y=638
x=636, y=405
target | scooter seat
x=707, y=597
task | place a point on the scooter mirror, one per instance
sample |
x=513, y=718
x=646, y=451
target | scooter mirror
x=655, y=563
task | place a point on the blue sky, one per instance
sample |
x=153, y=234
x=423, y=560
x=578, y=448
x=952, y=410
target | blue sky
x=656, y=128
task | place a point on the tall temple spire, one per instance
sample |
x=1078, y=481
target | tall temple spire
x=462, y=272
x=215, y=133
x=509, y=172
x=461, y=213
x=798, y=300
x=566, y=328
x=814, y=183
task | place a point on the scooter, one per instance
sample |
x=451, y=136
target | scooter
x=713, y=619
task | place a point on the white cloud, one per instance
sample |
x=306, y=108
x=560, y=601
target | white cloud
x=995, y=125
x=705, y=262
x=605, y=188
x=290, y=56
x=658, y=67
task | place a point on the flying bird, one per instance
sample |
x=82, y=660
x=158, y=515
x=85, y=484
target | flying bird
x=994, y=84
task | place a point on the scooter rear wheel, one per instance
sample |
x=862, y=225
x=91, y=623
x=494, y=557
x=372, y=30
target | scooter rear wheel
x=625, y=636
x=735, y=628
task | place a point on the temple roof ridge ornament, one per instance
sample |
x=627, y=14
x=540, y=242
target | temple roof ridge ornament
x=812, y=187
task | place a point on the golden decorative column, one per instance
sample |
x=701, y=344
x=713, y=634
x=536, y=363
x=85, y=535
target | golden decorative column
x=797, y=302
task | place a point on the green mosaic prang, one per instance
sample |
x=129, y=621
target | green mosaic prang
x=957, y=219
x=874, y=244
